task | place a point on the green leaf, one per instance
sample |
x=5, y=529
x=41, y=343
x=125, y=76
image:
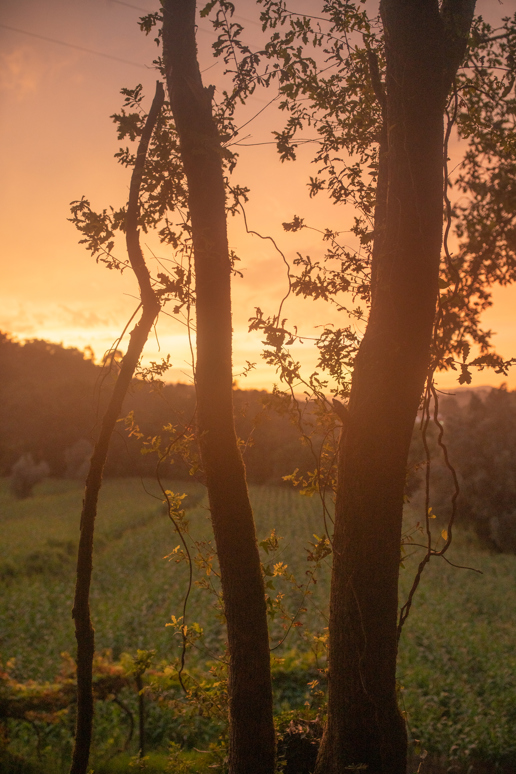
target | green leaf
x=207, y=8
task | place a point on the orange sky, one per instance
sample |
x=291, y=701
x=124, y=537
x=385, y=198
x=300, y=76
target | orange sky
x=58, y=143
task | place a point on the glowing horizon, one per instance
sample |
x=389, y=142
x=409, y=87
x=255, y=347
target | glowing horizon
x=57, y=99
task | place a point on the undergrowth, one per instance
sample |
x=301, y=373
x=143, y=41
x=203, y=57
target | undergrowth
x=457, y=669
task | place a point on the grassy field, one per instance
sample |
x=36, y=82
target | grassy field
x=135, y=589
x=457, y=668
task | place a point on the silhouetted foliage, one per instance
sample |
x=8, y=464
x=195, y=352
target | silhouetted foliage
x=51, y=397
x=482, y=441
x=46, y=400
x=480, y=435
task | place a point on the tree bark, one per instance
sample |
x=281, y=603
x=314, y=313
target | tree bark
x=84, y=631
x=365, y=726
x=250, y=692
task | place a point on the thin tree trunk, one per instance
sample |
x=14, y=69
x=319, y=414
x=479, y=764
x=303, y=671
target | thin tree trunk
x=141, y=715
x=365, y=726
x=250, y=692
x=84, y=631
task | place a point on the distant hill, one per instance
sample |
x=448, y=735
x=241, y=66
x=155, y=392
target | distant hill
x=52, y=397
x=462, y=395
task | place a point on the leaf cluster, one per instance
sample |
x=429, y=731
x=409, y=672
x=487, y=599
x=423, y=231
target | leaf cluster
x=329, y=72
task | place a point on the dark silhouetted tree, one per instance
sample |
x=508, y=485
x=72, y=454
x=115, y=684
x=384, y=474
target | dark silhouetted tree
x=424, y=46
x=384, y=102
x=252, y=745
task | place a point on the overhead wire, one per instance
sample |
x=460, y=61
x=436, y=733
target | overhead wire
x=72, y=45
x=84, y=49
x=130, y=5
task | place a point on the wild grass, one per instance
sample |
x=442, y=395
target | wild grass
x=134, y=589
x=457, y=666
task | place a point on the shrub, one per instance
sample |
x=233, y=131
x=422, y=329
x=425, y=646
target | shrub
x=480, y=434
x=77, y=459
x=26, y=474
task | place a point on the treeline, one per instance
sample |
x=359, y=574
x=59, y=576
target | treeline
x=480, y=436
x=52, y=398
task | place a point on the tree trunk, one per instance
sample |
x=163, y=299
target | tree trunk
x=365, y=726
x=250, y=691
x=84, y=632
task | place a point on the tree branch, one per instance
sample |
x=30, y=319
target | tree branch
x=133, y=206
x=457, y=16
x=376, y=81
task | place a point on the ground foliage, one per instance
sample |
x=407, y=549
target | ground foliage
x=456, y=679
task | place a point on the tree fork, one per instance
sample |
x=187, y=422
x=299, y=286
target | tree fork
x=250, y=690
x=150, y=305
x=424, y=47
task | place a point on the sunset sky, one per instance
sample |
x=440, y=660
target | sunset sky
x=62, y=64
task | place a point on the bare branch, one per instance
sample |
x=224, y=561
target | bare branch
x=457, y=16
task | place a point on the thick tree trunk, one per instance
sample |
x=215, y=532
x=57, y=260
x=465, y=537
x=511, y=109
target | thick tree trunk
x=250, y=691
x=365, y=726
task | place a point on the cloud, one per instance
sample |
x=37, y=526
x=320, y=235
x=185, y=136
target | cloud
x=78, y=318
x=27, y=68
x=45, y=320
x=15, y=319
x=18, y=72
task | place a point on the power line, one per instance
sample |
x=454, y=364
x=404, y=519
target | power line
x=72, y=45
x=89, y=50
x=146, y=10
x=201, y=29
x=249, y=21
x=128, y=5
x=139, y=8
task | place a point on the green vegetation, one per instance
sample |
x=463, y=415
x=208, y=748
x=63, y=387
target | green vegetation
x=457, y=659
x=135, y=590
x=457, y=671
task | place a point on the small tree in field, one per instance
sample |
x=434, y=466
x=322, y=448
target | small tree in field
x=77, y=459
x=88, y=223
x=25, y=474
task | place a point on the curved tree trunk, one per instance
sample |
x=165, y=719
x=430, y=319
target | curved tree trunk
x=84, y=631
x=423, y=50
x=250, y=690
